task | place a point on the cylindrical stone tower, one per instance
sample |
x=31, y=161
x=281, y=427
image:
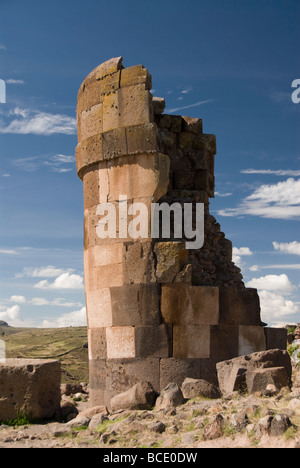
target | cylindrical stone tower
x=156, y=311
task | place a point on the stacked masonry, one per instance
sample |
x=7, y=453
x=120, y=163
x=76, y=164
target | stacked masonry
x=156, y=311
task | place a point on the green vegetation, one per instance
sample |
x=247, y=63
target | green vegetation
x=63, y=344
x=21, y=420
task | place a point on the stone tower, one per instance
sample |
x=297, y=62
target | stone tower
x=156, y=311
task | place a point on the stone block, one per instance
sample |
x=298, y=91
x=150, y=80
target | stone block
x=91, y=187
x=224, y=341
x=89, y=97
x=97, y=343
x=126, y=107
x=88, y=153
x=176, y=370
x=113, y=376
x=159, y=105
x=107, y=68
x=139, y=176
x=191, y=341
x=136, y=75
x=99, y=308
x=276, y=338
x=153, y=341
x=139, y=265
x=171, y=258
x=106, y=276
x=30, y=386
x=106, y=254
x=239, y=306
x=257, y=380
x=90, y=122
x=120, y=342
x=193, y=125
x=142, y=138
x=114, y=143
x=184, y=304
x=135, y=304
x=251, y=339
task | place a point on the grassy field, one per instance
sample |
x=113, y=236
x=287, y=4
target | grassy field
x=63, y=344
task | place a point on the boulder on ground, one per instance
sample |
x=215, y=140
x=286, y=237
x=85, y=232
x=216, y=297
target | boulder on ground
x=233, y=374
x=170, y=397
x=30, y=387
x=194, y=388
x=141, y=396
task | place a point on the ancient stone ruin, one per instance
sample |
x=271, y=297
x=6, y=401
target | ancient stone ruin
x=157, y=311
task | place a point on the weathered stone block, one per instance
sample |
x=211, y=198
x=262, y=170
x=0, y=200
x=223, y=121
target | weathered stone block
x=126, y=107
x=239, y=306
x=192, y=341
x=114, y=143
x=183, y=304
x=113, y=376
x=159, y=105
x=139, y=265
x=120, y=342
x=107, y=68
x=257, y=380
x=193, y=125
x=90, y=122
x=142, y=138
x=171, y=258
x=224, y=341
x=97, y=343
x=138, y=176
x=136, y=75
x=99, y=308
x=135, y=304
x=276, y=338
x=251, y=339
x=90, y=96
x=153, y=341
x=30, y=386
x=91, y=188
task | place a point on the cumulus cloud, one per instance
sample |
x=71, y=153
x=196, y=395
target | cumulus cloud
x=238, y=253
x=275, y=306
x=76, y=318
x=288, y=248
x=39, y=123
x=43, y=272
x=18, y=299
x=277, y=201
x=279, y=283
x=63, y=281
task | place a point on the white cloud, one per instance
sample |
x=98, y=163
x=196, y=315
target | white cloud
x=39, y=301
x=40, y=123
x=14, y=82
x=43, y=272
x=278, y=201
x=11, y=314
x=64, y=281
x=275, y=306
x=279, y=283
x=2, y=47
x=18, y=299
x=238, y=253
x=73, y=319
x=218, y=194
x=5, y=175
x=282, y=172
x=254, y=268
x=196, y=104
x=288, y=248
x=8, y=252
x=58, y=302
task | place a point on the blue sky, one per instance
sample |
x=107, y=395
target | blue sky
x=230, y=62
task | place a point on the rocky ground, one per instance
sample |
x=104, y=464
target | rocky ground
x=236, y=420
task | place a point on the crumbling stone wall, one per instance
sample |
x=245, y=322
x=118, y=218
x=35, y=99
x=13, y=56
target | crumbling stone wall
x=156, y=311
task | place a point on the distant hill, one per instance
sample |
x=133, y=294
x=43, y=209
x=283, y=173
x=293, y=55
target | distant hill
x=68, y=345
x=3, y=324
